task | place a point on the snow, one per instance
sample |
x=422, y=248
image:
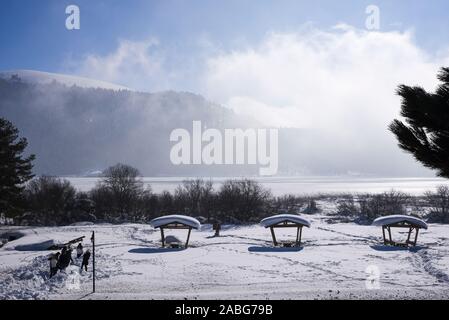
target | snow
x=39, y=246
x=273, y=220
x=32, y=76
x=12, y=235
x=382, y=221
x=175, y=218
x=335, y=263
x=82, y=223
x=26, y=241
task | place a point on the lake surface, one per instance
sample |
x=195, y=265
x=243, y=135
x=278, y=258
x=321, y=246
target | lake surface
x=298, y=185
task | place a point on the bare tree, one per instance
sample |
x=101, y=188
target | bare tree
x=287, y=204
x=386, y=203
x=196, y=195
x=243, y=200
x=439, y=204
x=347, y=207
x=125, y=187
x=50, y=200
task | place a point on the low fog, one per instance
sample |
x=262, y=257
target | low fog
x=74, y=131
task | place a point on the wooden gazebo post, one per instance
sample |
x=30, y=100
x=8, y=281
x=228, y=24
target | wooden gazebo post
x=409, y=235
x=416, y=236
x=273, y=236
x=299, y=236
x=188, y=237
x=162, y=237
x=389, y=234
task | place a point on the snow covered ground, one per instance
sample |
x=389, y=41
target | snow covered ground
x=32, y=76
x=337, y=261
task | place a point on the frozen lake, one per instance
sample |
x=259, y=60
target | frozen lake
x=298, y=185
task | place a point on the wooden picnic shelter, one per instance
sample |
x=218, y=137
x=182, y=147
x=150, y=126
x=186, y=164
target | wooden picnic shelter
x=411, y=223
x=286, y=221
x=175, y=222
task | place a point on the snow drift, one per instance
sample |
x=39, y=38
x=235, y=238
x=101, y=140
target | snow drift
x=382, y=221
x=38, y=246
x=189, y=221
x=273, y=220
x=32, y=76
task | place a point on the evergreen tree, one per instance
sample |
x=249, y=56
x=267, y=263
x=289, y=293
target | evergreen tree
x=15, y=169
x=425, y=133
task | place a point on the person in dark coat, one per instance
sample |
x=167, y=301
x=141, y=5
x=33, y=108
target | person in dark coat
x=79, y=250
x=54, y=264
x=85, y=262
x=62, y=257
x=217, y=227
x=65, y=258
x=69, y=254
x=63, y=251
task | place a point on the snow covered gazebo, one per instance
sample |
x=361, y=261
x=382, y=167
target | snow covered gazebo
x=400, y=221
x=175, y=222
x=286, y=221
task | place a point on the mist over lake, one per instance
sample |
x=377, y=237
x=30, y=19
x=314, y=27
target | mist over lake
x=295, y=185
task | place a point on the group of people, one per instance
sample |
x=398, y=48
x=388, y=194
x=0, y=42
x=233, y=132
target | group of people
x=61, y=260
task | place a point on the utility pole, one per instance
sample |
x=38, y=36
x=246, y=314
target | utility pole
x=93, y=260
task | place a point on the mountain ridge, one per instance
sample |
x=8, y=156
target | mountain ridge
x=42, y=77
x=74, y=129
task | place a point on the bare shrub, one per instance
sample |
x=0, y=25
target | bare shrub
x=120, y=194
x=387, y=203
x=243, y=200
x=49, y=200
x=289, y=204
x=312, y=207
x=195, y=197
x=438, y=202
x=347, y=207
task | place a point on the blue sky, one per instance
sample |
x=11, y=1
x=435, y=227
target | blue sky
x=33, y=34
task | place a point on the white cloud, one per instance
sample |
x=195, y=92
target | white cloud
x=321, y=79
x=340, y=83
x=135, y=64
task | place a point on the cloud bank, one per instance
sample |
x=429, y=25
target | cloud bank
x=317, y=79
x=339, y=82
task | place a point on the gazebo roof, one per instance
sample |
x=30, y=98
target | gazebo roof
x=175, y=218
x=388, y=220
x=274, y=220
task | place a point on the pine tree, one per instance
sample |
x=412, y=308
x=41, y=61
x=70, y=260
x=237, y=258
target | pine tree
x=15, y=169
x=425, y=133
